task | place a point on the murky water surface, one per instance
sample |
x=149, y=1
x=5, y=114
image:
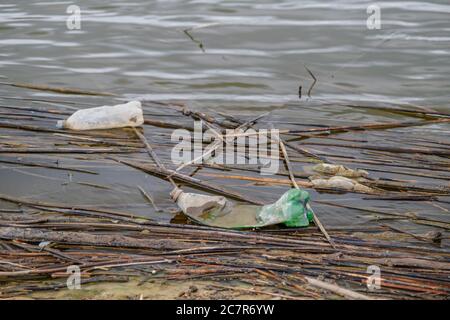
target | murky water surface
x=241, y=57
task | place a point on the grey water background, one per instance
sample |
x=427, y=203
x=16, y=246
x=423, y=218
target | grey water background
x=253, y=59
x=254, y=50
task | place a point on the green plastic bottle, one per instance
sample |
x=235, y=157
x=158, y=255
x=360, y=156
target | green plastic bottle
x=292, y=209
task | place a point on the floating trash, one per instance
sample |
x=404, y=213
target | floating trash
x=292, y=210
x=105, y=117
x=343, y=183
x=339, y=170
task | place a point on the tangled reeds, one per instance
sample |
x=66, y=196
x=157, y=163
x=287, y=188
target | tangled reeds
x=401, y=226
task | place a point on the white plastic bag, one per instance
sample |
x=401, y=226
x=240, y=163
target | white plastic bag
x=105, y=117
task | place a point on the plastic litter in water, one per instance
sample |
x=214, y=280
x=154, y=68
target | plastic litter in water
x=105, y=117
x=343, y=183
x=339, y=170
x=292, y=210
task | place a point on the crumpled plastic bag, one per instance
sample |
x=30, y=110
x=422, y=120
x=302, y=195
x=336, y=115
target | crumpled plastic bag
x=339, y=170
x=341, y=183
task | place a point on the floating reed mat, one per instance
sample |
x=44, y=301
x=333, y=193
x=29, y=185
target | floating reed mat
x=399, y=228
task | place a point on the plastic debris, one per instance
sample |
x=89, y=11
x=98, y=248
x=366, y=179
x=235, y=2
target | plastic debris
x=44, y=244
x=339, y=170
x=105, y=117
x=343, y=183
x=197, y=204
x=292, y=210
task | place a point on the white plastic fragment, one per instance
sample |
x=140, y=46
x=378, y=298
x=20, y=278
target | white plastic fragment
x=339, y=170
x=44, y=244
x=342, y=183
x=105, y=117
x=197, y=204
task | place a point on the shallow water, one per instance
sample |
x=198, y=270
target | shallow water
x=254, y=52
x=252, y=59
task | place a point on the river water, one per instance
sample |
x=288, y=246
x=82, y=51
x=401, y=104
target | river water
x=242, y=56
x=254, y=51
